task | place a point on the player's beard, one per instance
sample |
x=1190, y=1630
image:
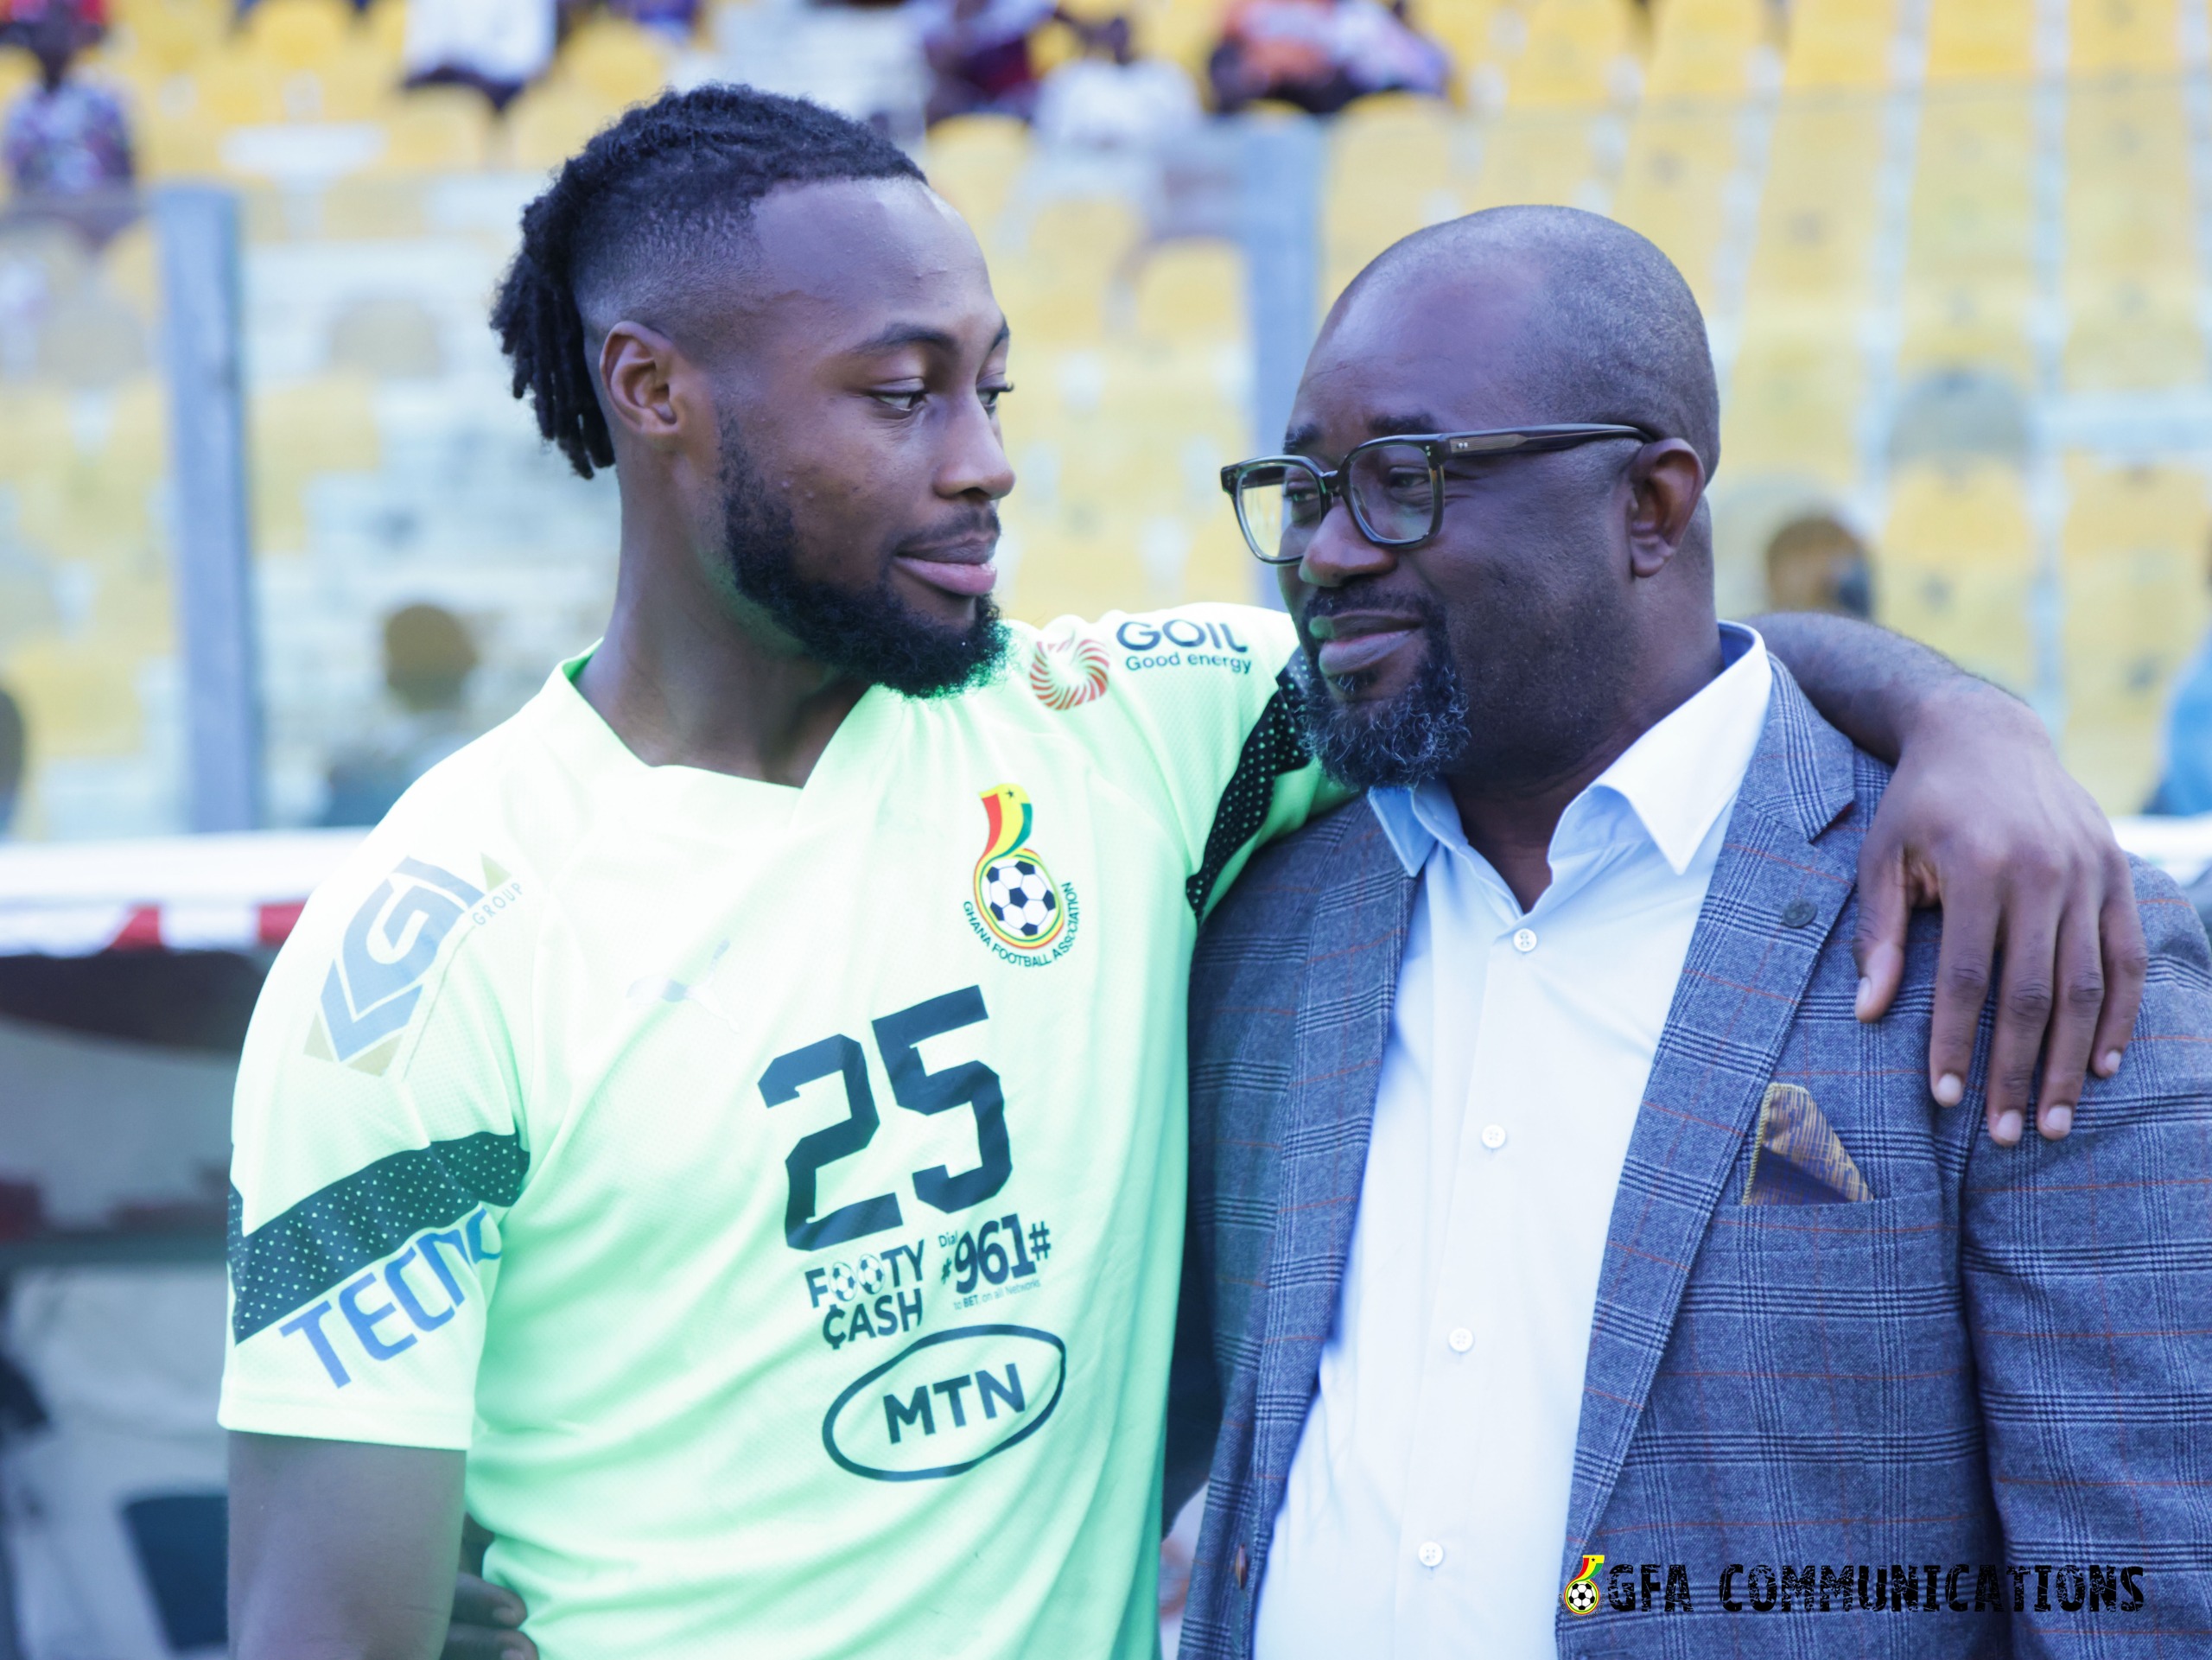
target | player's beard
x=870, y=633
x=1412, y=737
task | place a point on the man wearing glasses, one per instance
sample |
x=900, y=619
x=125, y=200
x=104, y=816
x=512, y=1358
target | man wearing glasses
x=1580, y=1275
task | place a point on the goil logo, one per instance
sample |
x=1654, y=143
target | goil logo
x=1069, y=673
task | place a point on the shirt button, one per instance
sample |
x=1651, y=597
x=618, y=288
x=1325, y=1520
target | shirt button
x=1525, y=941
x=1430, y=1553
x=1461, y=1339
x=1493, y=1137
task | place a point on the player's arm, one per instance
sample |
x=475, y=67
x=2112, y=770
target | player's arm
x=1982, y=819
x=341, y=1550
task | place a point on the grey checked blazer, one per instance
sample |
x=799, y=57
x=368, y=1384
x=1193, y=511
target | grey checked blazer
x=2004, y=1356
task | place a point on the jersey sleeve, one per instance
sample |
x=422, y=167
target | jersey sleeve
x=378, y=1140
x=1198, y=694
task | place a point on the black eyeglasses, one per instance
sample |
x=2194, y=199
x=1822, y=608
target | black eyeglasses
x=1393, y=485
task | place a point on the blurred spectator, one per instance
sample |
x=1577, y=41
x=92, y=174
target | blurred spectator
x=1109, y=98
x=499, y=47
x=1814, y=564
x=427, y=658
x=979, y=56
x=14, y=756
x=66, y=140
x=1320, y=55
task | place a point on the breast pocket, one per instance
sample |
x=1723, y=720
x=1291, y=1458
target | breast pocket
x=1830, y=1334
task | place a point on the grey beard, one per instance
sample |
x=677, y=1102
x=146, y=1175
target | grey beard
x=1418, y=735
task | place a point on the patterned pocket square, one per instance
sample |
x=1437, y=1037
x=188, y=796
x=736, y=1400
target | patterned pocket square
x=1796, y=1157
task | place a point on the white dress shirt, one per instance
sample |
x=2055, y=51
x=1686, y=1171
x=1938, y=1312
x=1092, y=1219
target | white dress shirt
x=1425, y=1512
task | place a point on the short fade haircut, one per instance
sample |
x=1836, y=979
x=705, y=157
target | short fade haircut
x=631, y=222
x=1624, y=340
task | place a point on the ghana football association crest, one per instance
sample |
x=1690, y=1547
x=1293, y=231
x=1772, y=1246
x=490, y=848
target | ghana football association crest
x=1018, y=911
x=1581, y=1595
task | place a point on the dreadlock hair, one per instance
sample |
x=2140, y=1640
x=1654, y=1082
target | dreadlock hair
x=630, y=220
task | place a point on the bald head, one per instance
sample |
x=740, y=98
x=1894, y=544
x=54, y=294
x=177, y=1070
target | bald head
x=1608, y=331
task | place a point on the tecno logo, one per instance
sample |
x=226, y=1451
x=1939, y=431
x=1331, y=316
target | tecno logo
x=943, y=1405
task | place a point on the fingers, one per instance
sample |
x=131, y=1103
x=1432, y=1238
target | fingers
x=484, y=1617
x=1962, y=965
x=2126, y=959
x=2025, y=1001
x=1884, y=908
x=479, y=1602
x=482, y=1643
x=2075, y=1014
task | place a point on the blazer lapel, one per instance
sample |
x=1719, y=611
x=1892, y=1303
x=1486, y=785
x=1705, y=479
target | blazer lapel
x=1776, y=891
x=1344, y=995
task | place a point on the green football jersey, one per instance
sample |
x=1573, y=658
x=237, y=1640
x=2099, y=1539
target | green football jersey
x=778, y=1192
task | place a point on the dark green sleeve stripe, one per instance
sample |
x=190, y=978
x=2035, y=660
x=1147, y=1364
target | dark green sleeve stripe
x=290, y=1260
x=1275, y=745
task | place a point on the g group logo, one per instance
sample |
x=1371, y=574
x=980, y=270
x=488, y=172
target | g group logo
x=372, y=990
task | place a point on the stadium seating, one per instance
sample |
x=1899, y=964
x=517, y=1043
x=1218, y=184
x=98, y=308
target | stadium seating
x=2137, y=581
x=1955, y=566
x=1869, y=198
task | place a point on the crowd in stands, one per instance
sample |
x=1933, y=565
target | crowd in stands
x=1079, y=78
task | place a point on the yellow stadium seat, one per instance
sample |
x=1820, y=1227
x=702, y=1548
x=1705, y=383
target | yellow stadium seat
x=2127, y=181
x=1055, y=285
x=17, y=72
x=238, y=89
x=1462, y=28
x=436, y=130
x=2136, y=36
x=174, y=35
x=35, y=431
x=1191, y=290
x=1981, y=40
x=1394, y=165
x=1967, y=324
x=295, y=35
x=79, y=699
x=1839, y=45
x=1792, y=407
x=1702, y=49
x=2129, y=334
x=299, y=431
x=614, y=60
x=974, y=162
x=2134, y=580
x=1973, y=207
x=1578, y=52
x=1538, y=155
x=1955, y=567
x=1673, y=185
x=1817, y=214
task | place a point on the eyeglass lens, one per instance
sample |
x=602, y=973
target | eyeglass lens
x=1281, y=504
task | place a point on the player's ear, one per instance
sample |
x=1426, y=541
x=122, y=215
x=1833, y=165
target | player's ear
x=642, y=380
